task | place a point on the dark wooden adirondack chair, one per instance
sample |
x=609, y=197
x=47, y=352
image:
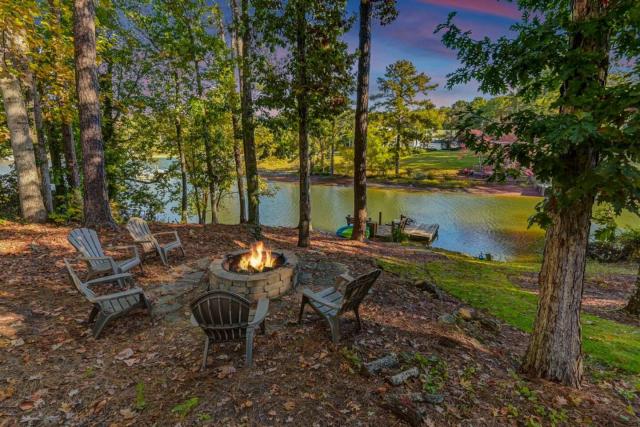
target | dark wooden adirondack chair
x=331, y=304
x=225, y=316
x=110, y=306
x=141, y=234
x=87, y=243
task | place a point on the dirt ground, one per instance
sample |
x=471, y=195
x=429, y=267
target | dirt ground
x=146, y=372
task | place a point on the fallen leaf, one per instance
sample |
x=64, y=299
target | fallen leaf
x=99, y=406
x=6, y=393
x=560, y=401
x=272, y=413
x=130, y=362
x=289, y=405
x=128, y=414
x=225, y=371
x=27, y=405
x=125, y=354
x=17, y=342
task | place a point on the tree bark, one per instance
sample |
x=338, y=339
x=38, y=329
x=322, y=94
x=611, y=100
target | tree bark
x=97, y=212
x=633, y=306
x=31, y=202
x=304, y=224
x=396, y=155
x=41, y=149
x=362, y=116
x=554, y=351
x=70, y=158
x=184, y=203
x=236, y=117
x=248, y=136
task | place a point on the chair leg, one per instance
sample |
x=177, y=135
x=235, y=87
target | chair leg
x=305, y=301
x=334, y=324
x=206, y=353
x=184, y=255
x=101, y=322
x=163, y=257
x=141, y=267
x=94, y=312
x=358, y=323
x=249, y=350
x=263, y=327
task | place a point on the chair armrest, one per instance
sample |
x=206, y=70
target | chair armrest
x=343, y=279
x=312, y=295
x=128, y=292
x=175, y=233
x=109, y=259
x=261, y=313
x=108, y=279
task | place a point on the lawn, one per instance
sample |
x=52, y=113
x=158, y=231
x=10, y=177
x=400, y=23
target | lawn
x=488, y=286
x=426, y=168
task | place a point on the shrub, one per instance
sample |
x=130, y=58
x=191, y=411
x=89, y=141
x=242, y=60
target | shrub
x=9, y=199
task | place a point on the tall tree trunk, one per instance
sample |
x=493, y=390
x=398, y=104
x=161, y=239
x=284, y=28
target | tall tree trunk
x=97, y=212
x=304, y=224
x=248, y=136
x=31, y=202
x=362, y=116
x=235, y=116
x=41, y=148
x=184, y=203
x=554, y=351
x=56, y=163
x=633, y=305
x=70, y=158
x=396, y=155
x=332, y=148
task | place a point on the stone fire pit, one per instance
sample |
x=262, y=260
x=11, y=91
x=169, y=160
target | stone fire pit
x=253, y=286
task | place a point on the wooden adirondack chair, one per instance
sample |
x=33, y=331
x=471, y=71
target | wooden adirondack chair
x=225, y=316
x=87, y=243
x=141, y=234
x=110, y=306
x=331, y=304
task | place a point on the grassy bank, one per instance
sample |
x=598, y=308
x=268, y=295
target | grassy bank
x=426, y=168
x=491, y=286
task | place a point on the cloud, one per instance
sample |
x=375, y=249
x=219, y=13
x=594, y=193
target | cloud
x=489, y=7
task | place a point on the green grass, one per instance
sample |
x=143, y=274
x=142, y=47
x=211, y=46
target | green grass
x=488, y=286
x=426, y=168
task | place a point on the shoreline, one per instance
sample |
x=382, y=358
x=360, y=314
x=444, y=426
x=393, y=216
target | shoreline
x=481, y=188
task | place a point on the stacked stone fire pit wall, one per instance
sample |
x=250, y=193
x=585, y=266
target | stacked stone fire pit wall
x=269, y=284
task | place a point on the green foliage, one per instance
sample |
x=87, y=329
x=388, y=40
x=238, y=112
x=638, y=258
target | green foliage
x=585, y=118
x=183, y=409
x=68, y=209
x=141, y=402
x=352, y=356
x=9, y=199
x=604, y=217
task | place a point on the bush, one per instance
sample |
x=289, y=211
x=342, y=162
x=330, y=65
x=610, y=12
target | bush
x=9, y=199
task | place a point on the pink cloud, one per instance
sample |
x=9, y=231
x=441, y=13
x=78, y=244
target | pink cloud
x=490, y=7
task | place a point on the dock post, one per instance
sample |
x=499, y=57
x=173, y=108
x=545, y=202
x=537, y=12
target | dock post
x=380, y=218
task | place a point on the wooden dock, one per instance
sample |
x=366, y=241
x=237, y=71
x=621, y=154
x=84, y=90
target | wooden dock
x=419, y=232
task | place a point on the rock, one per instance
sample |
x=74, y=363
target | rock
x=401, y=377
x=403, y=408
x=388, y=361
x=448, y=319
x=434, y=399
x=423, y=285
x=467, y=313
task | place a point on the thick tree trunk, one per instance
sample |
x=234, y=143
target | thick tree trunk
x=97, y=212
x=40, y=144
x=554, y=351
x=70, y=158
x=248, y=136
x=304, y=224
x=31, y=202
x=633, y=306
x=362, y=116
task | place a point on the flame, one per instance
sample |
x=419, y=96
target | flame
x=257, y=259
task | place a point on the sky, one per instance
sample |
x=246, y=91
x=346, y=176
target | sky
x=411, y=37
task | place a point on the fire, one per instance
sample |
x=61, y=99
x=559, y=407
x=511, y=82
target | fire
x=257, y=259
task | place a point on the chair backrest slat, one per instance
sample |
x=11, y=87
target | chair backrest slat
x=357, y=289
x=223, y=316
x=139, y=230
x=87, y=243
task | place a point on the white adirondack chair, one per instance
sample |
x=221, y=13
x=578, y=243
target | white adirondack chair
x=141, y=234
x=87, y=243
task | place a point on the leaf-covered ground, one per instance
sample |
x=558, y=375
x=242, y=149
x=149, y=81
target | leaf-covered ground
x=144, y=372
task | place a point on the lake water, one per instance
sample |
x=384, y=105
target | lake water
x=469, y=223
